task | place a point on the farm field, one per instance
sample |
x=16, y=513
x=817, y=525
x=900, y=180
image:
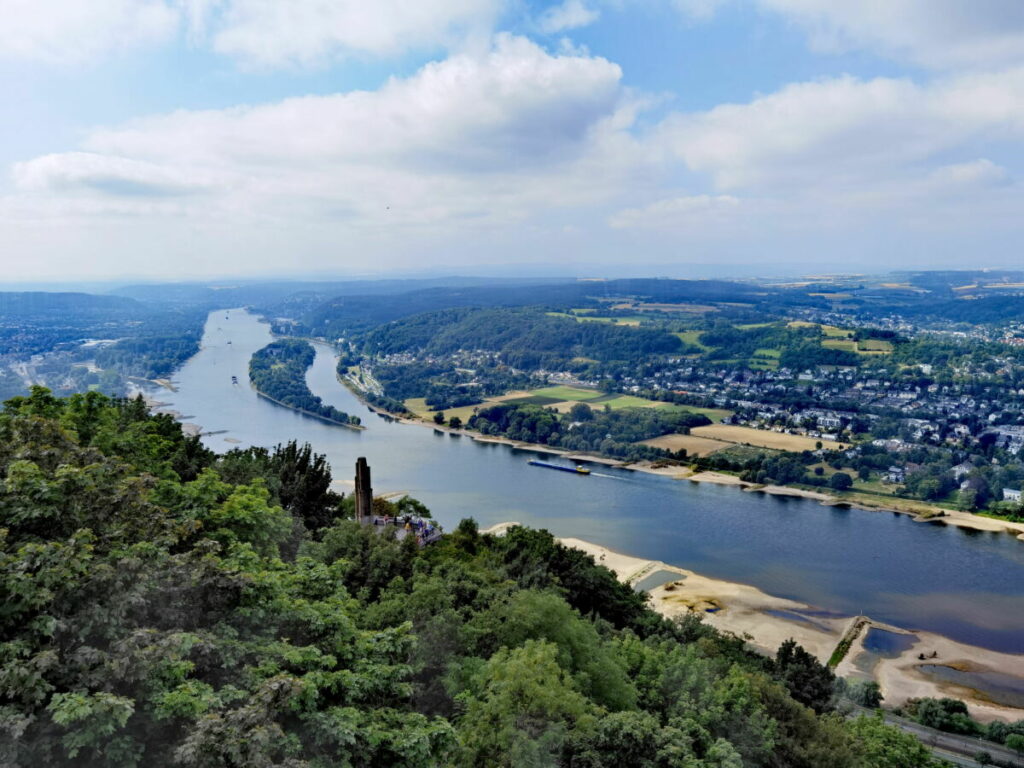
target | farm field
x=423, y=411
x=867, y=347
x=693, y=445
x=761, y=437
x=633, y=321
x=831, y=331
x=562, y=398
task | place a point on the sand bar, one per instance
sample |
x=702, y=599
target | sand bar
x=767, y=621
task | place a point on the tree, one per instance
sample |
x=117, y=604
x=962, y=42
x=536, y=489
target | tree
x=866, y=693
x=455, y=422
x=439, y=418
x=1015, y=741
x=809, y=682
x=840, y=481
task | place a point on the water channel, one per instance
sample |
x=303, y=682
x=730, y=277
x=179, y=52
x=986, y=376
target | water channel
x=963, y=584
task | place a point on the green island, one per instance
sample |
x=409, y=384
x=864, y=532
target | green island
x=278, y=372
x=166, y=604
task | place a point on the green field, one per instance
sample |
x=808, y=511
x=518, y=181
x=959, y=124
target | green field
x=692, y=337
x=832, y=331
x=560, y=393
x=632, y=320
x=561, y=398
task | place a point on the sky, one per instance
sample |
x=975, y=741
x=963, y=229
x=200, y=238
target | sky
x=194, y=139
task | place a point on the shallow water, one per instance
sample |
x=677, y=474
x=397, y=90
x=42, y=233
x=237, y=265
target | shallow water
x=844, y=561
x=996, y=686
x=657, y=579
x=888, y=645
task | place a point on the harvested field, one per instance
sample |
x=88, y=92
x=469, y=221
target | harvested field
x=693, y=445
x=761, y=437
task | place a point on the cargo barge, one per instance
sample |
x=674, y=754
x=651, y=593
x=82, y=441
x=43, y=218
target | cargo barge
x=577, y=470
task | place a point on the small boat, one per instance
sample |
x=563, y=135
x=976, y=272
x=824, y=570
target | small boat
x=578, y=470
x=234, y=380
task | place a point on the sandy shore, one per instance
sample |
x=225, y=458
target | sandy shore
x=767, y=621
x=719, y=478
x=900, y=678
x=785, y=490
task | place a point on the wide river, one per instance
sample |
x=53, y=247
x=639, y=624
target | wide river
x=966, y=585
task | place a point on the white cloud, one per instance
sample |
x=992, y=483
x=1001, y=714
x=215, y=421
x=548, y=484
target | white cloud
x=677, y=212
x=86, y=172
x=844, y=131
x=941, y=34
x=971, y=175
x=934, y=33
x=699, y=10
x=72, y=31
x=571, y=14
x=305, y=32
x=514, y=106
x=264, y=33
x=471, y=139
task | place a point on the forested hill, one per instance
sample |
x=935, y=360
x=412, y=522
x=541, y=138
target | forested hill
x=32, y=305
x=344, y=315
x=166, y=606
x=522, y=338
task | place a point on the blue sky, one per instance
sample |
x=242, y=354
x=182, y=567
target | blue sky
x=211, y=138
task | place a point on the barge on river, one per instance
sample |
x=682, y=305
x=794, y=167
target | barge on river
x=578, y=470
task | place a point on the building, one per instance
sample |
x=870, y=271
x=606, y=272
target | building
x=1010, y=494
x=364, y=493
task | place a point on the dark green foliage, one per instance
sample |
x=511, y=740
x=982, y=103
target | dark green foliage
x=524, y=339
x=613, y=433
x=152, y=616
x=279, y=372
x=943, y=714
x=150, y=357
x=840, y=481
x=299, y=479
x=809, y=681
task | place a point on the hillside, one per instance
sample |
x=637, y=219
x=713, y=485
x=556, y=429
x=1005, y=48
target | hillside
x=165, y=605
x=521, y=338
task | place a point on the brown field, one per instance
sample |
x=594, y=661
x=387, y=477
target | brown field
x=761, y=437
x=692, y=444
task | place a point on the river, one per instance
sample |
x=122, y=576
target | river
x=963, y=584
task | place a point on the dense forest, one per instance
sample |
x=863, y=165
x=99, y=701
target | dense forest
x=279, y=372
x=523, y=338
x=582, y=428
x=166, y=606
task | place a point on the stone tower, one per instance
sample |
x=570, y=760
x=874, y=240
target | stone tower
x=364, y=493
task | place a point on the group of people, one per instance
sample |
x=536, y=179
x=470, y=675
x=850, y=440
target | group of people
x=425, y=530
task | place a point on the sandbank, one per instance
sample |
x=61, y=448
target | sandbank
x=766, y=621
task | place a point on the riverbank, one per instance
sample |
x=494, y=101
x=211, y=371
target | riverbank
x=920, y=511
x=303, y=411
x=766, y=621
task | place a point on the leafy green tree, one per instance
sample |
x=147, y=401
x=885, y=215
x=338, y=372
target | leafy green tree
x=840, y=481
x=810, y=682
x=521, y=709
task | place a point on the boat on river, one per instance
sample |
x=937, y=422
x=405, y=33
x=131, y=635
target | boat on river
x=576, y=470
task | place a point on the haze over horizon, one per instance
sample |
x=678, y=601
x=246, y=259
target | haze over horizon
x=191, y=139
